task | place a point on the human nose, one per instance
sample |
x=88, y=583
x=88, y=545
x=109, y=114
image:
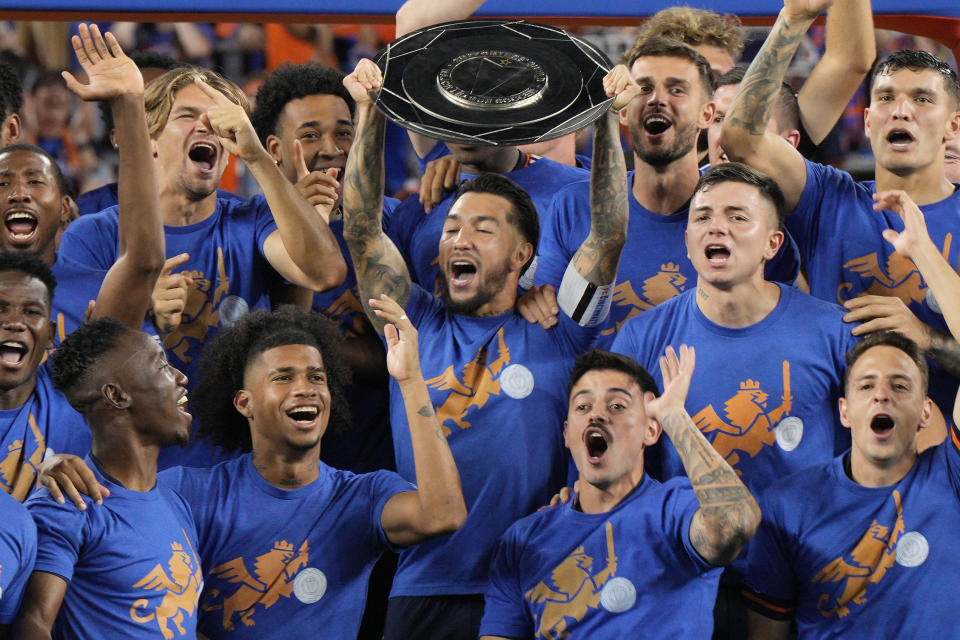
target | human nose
x=18, y=191
x=902, y=109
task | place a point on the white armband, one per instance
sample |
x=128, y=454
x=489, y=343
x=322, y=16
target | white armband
x=586, y=303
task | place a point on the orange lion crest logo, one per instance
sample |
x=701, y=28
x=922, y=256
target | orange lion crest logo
x=874, y=554
x=272, y=579
x=182, y=590
x=575, y=590
x=665, y=284
x=900, y=279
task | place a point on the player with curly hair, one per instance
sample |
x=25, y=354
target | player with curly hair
x=288, y=542
x=11, y=101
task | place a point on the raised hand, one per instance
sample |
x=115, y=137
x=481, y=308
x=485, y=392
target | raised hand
x=676, y=373
x=319, y=188
x=110, y=72
x=403, y=357
x=804, y=9
x=366, y=77
x=620, y=85
x=914, y=236
x=230, y=123
x=169, y=296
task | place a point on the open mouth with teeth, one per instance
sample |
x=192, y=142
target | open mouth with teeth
x=899, y=138
x=462, y=273
x=20, y=225
x=13, y=352
x=597, y=442
x=717, y=254
x=881, y=424
x=204, y=155
x=655, y=125
x=304, y=416
x=182, y=403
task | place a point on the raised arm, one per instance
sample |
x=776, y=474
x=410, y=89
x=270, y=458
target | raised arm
x=41, y=604
x=437, y=506
x=417, y=14
x=728, y=515
x=744, y=136
x=377, y=261
x=587, y=286
x=302, y=249
x=914, y=243
x=125, y=292
x=849, y=54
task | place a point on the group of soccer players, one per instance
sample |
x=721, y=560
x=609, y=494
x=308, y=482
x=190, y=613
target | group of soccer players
x=734, y=385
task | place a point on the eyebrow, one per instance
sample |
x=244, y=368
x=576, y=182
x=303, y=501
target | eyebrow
x=668, y=80
x=315, y=124
x=289, y=369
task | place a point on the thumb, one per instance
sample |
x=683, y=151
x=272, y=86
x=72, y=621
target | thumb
x=391, y=334
x=333, y=172
x=301, y=164
x=890, y=236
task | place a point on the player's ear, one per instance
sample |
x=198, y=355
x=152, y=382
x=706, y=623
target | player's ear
x=273, y=148
x=242, y=403
x=926, y=415
x=523, y=254
x=115, y=396
x=842, y=405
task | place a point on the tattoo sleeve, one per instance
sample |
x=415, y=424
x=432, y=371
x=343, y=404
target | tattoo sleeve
x=379, y=266
x=728, y=514
x=756, y=99
x=945, y=351
x=597, y=258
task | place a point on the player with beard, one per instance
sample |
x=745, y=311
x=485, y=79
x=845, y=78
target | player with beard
x=913, y=111
x=661, y=543
x=229, y=251
x=674, y=85
x=271, y=387
x=105, y=569
x=492, y=376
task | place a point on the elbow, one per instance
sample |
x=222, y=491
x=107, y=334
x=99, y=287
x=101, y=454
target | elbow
x=408, y=19
x=331, y=275
x=737, y=142
x=729, y=540
x=446, y=520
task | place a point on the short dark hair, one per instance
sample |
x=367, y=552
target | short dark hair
x=31, y=265
x=32, y=148
x=80, y=351
x=788, y=109
x=916, y=60
x=292, y=81
x=523, y=213
x=144, y=59
x=660, y=47
x=887, y=338
x=227, y=356
x=11, y=91
x=599, y=360
x=737, y=172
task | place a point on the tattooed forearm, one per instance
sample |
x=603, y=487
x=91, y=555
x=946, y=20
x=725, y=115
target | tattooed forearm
x=379, y=266
x=426, y=411
x=728, y=514
x=598, y=256
x=945, y=351
x=756, y=99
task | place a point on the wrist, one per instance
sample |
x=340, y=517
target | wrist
x=797, y=20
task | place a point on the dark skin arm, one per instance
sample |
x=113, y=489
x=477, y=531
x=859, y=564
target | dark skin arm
x=41, y=604
x=379, y=266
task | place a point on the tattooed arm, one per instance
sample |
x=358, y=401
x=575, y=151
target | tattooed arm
x=379, y=266
x=728, y=515
x=744, y=136
x=437, y=506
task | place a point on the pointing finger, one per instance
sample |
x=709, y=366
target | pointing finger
x=301, y=164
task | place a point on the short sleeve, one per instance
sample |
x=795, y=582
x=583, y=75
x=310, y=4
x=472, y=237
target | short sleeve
x=399, y=226
x=18, y=550
x=504, y=612
x=561, y=232
x=60, y=531
x=679, y=508
x=422, y=307
x=383, y=486
x=805, y=221
x=769, y=588
x=263, y=220
x=92, y=240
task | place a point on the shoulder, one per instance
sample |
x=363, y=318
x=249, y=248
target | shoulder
x=94, y=222
x=49, y=515
x=17, y=521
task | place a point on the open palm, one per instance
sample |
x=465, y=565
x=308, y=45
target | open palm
x=110, y=72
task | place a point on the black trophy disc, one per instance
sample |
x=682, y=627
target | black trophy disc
x=495, y=82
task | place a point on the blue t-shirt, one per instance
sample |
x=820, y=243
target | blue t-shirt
x=840, y=240
x=499, y=388
x=765, y=395
x=230, y=277
x=654, y=266
x=18, y=550
x=46, y=422
x=417, y=233
x=367, y=446
x=108, y=196
x=562, y=573
x=849, y=561
x=130, y=564
x=77, y=285
x=284, y=563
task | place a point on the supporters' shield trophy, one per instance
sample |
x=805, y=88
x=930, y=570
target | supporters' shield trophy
x=492, y=82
